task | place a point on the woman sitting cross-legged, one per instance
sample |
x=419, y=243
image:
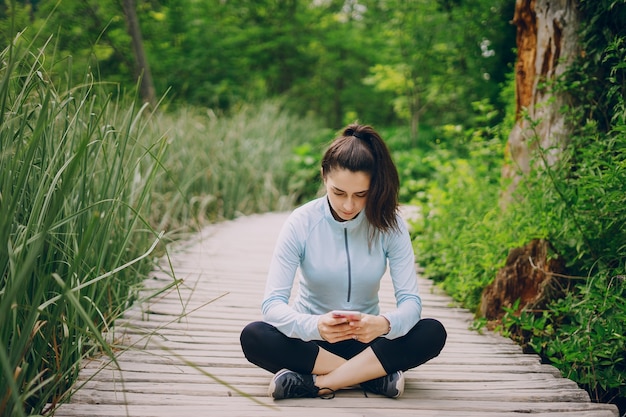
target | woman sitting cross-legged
x=343, y=243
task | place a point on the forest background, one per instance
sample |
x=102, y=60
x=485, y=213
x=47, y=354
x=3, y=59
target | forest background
x=125, y=126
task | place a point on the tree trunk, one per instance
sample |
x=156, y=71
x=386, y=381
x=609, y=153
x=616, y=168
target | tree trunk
x=547, y=42
x=416, y=111
x=142, y=69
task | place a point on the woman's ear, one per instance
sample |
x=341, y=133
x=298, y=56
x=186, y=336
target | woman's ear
x=322, y=175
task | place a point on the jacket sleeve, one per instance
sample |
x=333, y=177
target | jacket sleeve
x=404, y=277
x=285, y=261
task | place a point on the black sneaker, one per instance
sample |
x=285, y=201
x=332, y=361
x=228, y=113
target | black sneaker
x=290, y=384
x=391, y=385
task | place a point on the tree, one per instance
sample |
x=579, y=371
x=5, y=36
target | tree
x=14, y=16
x=547, y=43
x=416, y=49
x=423, y=59
x=439, y=57
x=342, y=56
x=142, y=68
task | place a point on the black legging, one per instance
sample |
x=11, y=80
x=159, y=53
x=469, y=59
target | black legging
x=265, y=346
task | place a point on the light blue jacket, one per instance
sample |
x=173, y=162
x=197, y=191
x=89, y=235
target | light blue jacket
x=339, y=271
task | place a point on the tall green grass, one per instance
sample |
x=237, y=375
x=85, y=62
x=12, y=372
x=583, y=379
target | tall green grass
x=75, y=182
x=219, y=168
x=88, y=183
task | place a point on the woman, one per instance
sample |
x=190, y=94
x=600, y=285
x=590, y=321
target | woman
x=342, y=244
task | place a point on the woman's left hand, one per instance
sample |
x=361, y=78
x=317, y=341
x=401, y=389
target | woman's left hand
x=370, y=327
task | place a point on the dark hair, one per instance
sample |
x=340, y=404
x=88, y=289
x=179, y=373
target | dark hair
x=360, y=148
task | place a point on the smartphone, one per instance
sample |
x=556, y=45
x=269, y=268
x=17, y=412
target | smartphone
x=352, y=315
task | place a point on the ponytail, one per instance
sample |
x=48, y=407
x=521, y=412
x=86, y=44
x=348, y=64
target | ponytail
x=360, y=148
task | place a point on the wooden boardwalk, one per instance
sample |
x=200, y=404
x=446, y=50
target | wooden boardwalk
x=180, y=355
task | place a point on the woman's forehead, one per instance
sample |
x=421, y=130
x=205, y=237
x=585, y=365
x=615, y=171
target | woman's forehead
x=348, y=181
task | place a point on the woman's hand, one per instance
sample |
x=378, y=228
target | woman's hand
x=367, y=328
x=370, y=327
x=336, y=329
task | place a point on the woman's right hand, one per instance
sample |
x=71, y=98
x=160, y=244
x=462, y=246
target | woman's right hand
x=336, y=329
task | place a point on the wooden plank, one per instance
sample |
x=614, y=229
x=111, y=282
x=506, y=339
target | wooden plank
x=201, y=394
x=193, y=375
x=429, y=371
x=231, y=408
x=171, y=350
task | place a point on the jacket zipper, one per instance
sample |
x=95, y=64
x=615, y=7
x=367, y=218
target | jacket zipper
x=345, y=235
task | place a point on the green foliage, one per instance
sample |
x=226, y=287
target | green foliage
x=74, y=187
x=304, y=171
x=223, y=167
x=13, y=18
x=438, y=60
x=578, y=204
x=455, y=240
x=598, y=78
x=459, y=240
x=413, y=159
x=85, y=184
x=584, y=194
x=583, y=334
x=590, y=339
x=381, y=62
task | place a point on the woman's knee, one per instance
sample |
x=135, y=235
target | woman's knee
x=252, y=335
x=434, y=332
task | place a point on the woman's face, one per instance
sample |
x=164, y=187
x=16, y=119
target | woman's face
x=347, y=192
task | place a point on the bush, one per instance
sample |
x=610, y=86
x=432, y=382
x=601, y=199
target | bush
x=217, y=168
x=579, y=206
x=459, y=240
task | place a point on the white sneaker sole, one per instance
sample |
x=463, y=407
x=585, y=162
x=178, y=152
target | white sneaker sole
x=272, y=388
x=400, y=385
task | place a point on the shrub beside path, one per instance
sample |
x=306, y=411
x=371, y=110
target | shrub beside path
x=179, y=353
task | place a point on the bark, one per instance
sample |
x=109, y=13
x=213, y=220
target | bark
x=546, y=42
x=528, y=276
x=142, y=68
